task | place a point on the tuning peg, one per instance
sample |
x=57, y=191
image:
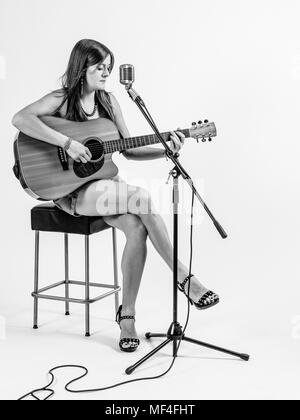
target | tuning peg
x=210, y=139
x=206, y=121
x=194, y=123
x=200, y=122
x=203, y=139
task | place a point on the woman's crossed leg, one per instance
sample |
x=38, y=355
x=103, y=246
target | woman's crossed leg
x=115, y=197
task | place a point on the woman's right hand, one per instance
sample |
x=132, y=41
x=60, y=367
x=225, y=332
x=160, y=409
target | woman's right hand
x=79, y=152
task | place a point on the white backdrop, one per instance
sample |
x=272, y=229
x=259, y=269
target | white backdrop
x=235, y=63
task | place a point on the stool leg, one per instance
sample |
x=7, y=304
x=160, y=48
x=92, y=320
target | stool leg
x=115, y=259
x=87, y=285
x=36, y=278
x=67, y=278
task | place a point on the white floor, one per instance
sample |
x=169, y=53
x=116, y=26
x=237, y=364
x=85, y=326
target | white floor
x=272, y=373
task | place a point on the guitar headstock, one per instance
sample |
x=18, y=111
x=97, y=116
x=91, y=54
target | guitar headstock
x=203, y=130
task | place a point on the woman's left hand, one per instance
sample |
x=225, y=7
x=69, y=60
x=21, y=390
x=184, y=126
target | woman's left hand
x=177, y=141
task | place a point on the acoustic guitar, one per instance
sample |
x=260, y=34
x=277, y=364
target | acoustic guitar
x=47, y=173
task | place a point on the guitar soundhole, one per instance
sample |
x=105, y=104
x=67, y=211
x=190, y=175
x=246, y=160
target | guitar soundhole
x=95, y=147
x=84, y=170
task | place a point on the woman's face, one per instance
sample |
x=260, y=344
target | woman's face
x=96, y=75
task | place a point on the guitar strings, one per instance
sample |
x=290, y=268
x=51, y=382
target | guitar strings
x=111, y=146
x=114, y=143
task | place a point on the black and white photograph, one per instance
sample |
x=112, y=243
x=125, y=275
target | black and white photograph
x=150, y=203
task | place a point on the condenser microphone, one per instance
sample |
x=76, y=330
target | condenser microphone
x=127, y=76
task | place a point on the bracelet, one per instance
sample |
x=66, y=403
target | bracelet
x=67, y=144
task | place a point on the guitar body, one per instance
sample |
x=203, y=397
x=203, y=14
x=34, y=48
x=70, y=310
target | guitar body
x=40, y=167
x=47, y=173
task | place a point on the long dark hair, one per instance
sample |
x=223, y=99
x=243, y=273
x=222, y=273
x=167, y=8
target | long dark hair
x=86, y=52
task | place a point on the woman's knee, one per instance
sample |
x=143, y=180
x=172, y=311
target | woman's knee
x=133, y=226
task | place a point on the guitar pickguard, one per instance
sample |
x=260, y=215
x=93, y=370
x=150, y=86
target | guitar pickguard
x=85, y=170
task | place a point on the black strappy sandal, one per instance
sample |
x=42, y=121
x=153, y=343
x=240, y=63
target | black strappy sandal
x=135, y=342
x=202, y=302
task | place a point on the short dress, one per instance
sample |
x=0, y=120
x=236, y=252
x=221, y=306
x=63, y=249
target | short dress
x=68, y=202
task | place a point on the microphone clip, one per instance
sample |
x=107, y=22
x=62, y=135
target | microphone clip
x=134, y=95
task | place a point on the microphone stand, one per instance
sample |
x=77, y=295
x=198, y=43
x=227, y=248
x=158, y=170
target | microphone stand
x=175, y=331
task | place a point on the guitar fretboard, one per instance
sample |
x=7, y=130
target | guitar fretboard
x=121, y=145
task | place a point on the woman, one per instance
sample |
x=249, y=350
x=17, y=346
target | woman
x=81, y=98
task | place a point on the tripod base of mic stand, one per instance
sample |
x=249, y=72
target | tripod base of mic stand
x=174, y=337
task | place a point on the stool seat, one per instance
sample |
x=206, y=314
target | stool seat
x=48, y=217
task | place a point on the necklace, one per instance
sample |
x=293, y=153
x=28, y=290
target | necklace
x=92, y=114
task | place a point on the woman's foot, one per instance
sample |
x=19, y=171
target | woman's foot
x=129, y=341
x=200, y=296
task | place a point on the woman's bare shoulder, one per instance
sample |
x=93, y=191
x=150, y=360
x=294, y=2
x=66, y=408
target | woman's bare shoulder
x=59, y=96
x=58, y=93
x=47, y=105
x=119, y=116
x=115, y=104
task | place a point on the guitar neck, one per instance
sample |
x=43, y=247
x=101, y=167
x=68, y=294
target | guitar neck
x=121, y=145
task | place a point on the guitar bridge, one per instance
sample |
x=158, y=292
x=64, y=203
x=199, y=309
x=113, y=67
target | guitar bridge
x=63, y=158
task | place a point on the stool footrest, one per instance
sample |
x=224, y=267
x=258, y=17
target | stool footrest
x=76, y=283
x=52, y=286
x=71, y=300
x=82, y=283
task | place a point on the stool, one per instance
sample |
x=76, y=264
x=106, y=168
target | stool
x=49, y=218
